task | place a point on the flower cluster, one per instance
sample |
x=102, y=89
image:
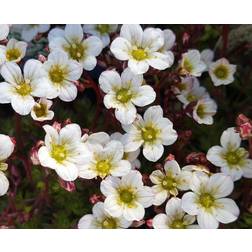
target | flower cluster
x=131, y=64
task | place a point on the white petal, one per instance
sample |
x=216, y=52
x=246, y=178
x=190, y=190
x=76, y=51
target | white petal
x=126, y=115
x=145, y=196
x=145, y=96
x=122, y=168
x=227, y=212
x=108, y=80
x=45, y=159
x=188, y=203
x=221, y=185
x=22, y=104
x=94, y=46
x=71, y=133
x=207, y=220
x=161, y=61
x=4, y=184
x=133, y=33
x=138, y=67
x=11, y=72
x=67, y=171
x=173, y=207
x=75, y=70
x=153, y=114
x=6, y=147
x=86, y=222
x=230, y=138
x=68, y=92
x=52, y=135
x=133, y=179
x=198, y=179
x=172, y=166
x=153, y=39
x=89, y=63
x=215, y=155
x=6, y=92
x=109, y=185
x=74, y=32
x=159, y=196
x=33, y=70
x=247, y=170
x=134, y=213
x=153, y=152
x=4, y=31
x=56, y=32
x=156, y=177
x=128, y=76
x=160, y=221
x=112, y=207
x=98, y=210
x=120, y=47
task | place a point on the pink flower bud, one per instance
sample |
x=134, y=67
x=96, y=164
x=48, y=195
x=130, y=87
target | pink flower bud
x=41, y=58
x=149, y=223
x=95, y=198
x=57, y=126
x=67, y=185
x=34, y=153
x=170, y=157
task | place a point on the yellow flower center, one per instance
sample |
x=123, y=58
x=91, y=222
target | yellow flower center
x=40, y=110
x=169, y=182
x=58, y=152
x=124, y=95
x=191, y=97
x=206, y=200
x=23, y=89
x=201, y=110
x=103, y=167
x=76, y=51
x=221, y=72
x=149, y=134
x=103, y=28
x=187, y=65
x=235, y=157
x=139, y=54
x=109, y=223
x=13, y=54
x=57, y=74
x=126, y=196
x=177, y=224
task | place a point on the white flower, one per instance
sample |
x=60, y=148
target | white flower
x=71, y=40
x=204, y=111
x=130, y=156
x=30, y=31
x=19, y=89
x=6, y=149
x=41, y=110
x=141, y=48
x=102, y=31
x=104, y=160
x=196, y=93
x=61, y=72
x=126, y=197
x=232, y=158
x=169, y=182
x=63, y=151
x=207, y=200
x=14, y=51
x=124, y=92
x=191, y=63
x=175, y=217
x=152, y=131
x=221, y=72
x=100, y=219
x=207, y=56
x=4, y=31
